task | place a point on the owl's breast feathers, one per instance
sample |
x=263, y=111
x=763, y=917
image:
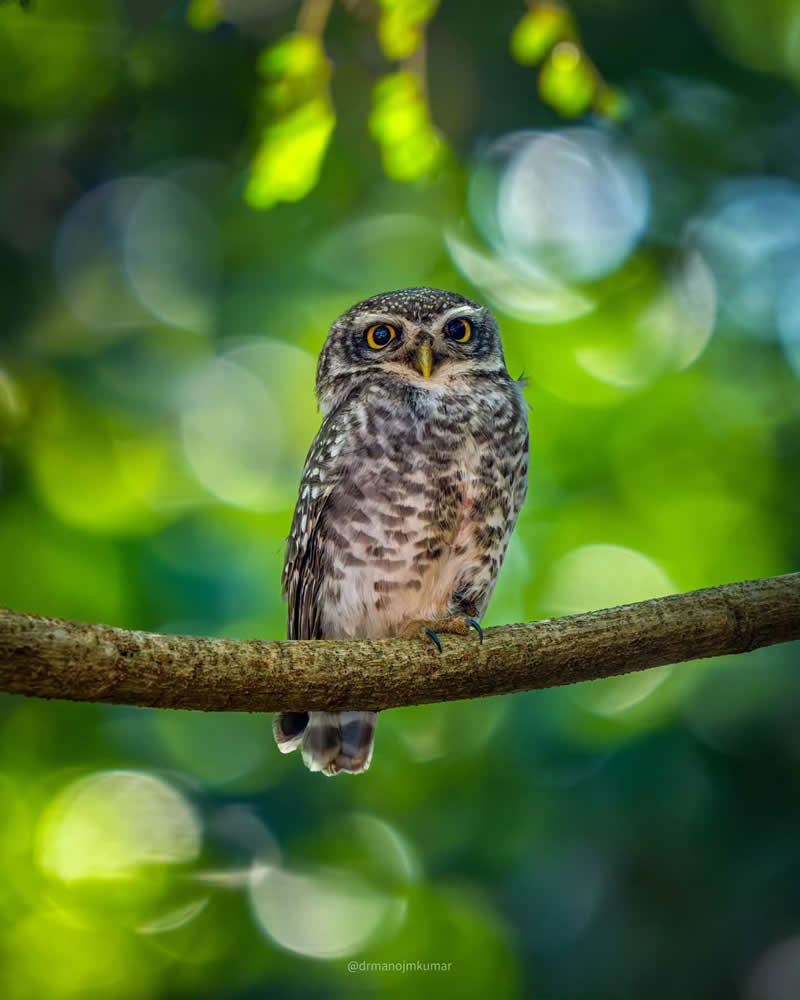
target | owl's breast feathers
x=406, y=505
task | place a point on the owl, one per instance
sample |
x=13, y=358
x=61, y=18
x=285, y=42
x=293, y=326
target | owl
x=409, y=494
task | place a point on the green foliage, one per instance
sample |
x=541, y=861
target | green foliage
x=203, y=15
x=410, y=146
x=301, y=116
x=61, y=66
x=538, y=31
x=401, y=25
x=546, y=36
x=566, y=81
x=293, y=144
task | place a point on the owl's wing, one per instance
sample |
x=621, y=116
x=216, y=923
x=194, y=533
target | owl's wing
x=519, y=486
x=303, y=568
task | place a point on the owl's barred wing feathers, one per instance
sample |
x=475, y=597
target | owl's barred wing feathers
x=303, y=567
x=330, y=742
x=519, y=486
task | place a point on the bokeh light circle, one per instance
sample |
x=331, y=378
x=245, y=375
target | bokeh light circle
x=328, y=913
x=88, y=261
x=246, y=421
x=134, y=248
x=391, y=250
x=532, y=298
x=170, y=256
x=225, y=413
x=776, y=973
x=109, y=824
x=667, y=334
x=353, y=896
x=750, y=236
x=571, y=203
x=217, y=747
x=602, y=576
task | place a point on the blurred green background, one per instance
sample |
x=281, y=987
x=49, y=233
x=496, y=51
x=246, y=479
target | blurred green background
x=624, y=190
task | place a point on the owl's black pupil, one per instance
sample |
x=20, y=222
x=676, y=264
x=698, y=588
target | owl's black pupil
x=382, y=335
x=457, y=328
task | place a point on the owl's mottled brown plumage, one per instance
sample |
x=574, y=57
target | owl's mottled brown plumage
x=409, y=493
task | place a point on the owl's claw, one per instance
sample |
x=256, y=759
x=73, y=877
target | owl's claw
x=456, y=625
x=429, y=632
x=473, y=624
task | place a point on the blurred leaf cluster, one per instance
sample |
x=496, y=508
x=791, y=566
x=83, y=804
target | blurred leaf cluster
x=568, y=80
x=410, y=146
x=401, y=25
x=301, y=116
x=626, y=839
x=287, y=164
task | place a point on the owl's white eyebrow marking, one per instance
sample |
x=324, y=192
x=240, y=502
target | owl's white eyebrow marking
x=369, y=318
x=462, y=310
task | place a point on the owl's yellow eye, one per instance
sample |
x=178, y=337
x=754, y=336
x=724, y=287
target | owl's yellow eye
x=380, y=336
x=459, y=330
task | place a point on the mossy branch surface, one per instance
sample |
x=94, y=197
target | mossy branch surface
x=51, y=658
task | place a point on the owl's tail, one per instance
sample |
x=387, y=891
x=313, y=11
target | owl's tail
x=331, y=741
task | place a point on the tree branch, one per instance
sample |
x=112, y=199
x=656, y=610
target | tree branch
x=50, y=658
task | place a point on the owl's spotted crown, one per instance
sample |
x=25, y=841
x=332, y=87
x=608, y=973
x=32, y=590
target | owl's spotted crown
x=421, y=305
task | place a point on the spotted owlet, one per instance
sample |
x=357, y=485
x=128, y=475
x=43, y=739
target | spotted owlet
x=409, y=493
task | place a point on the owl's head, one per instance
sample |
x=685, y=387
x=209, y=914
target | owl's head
x=423, y=336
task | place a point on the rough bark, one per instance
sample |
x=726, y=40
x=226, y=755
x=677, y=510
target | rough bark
x=51, y=658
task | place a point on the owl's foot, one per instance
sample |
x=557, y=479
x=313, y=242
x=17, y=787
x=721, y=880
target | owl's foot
x=457, y=625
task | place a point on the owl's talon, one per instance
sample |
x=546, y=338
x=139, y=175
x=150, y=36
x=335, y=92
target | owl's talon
x=432, y=628
x=473, y=624
x=429, y=632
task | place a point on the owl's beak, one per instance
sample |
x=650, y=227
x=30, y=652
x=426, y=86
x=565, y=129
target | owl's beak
x=423, y=359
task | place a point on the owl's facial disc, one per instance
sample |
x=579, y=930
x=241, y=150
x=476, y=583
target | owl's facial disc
x=462, y=336
x=423, y=336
